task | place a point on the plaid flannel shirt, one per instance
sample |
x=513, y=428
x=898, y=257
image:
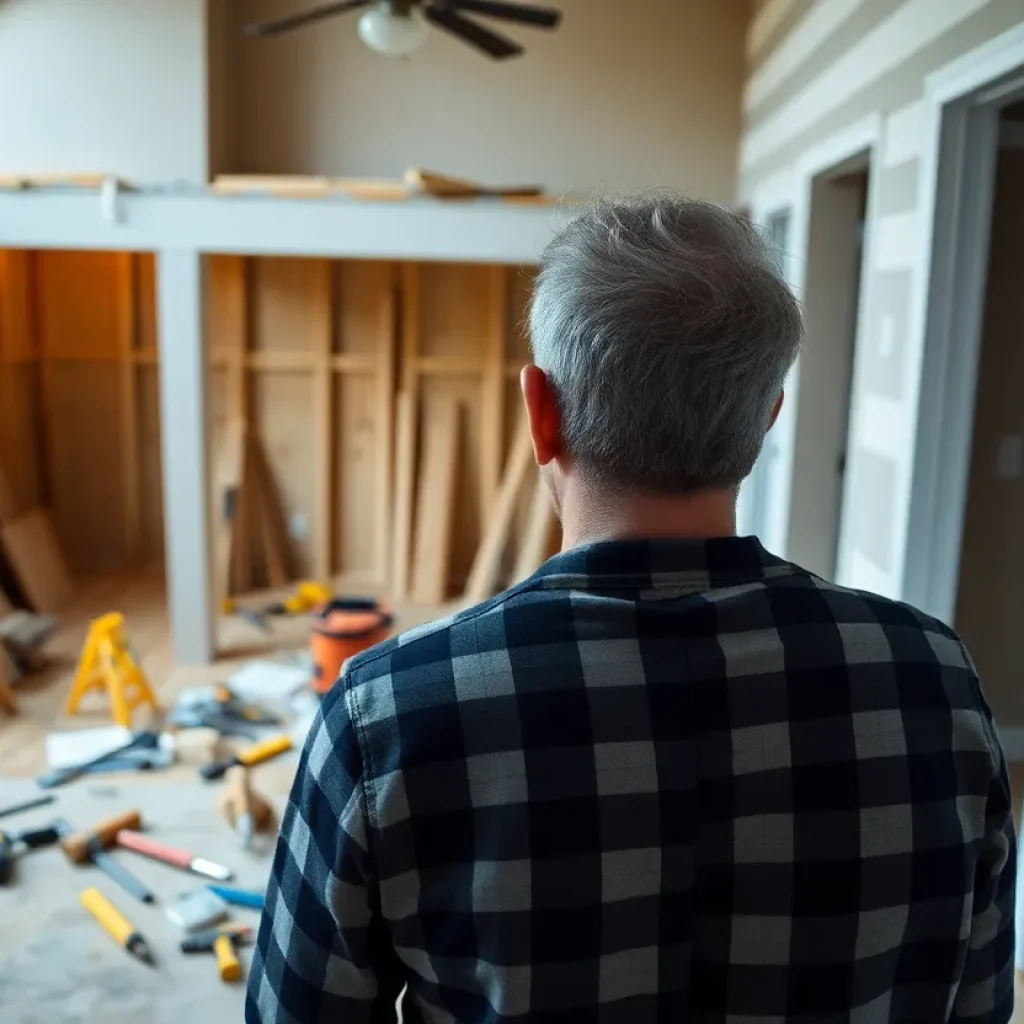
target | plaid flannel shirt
x=658, y=781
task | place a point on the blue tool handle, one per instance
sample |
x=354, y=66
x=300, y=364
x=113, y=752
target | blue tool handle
x=239, y=897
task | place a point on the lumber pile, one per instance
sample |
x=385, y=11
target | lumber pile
x=414, y=183
x=252, y=546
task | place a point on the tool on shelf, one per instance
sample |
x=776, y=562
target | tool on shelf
x=116, y=925
x=142, y=844
x=61, y=776
x=107, y=663
x=247, y=898
x=27, y=805
x=253, y=755
x=89, y=846
x=31, y=839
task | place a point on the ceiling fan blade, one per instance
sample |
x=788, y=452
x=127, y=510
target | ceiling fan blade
x=470, y=32
x=525, y=14
x=279, y=25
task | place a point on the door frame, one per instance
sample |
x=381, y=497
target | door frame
x=792, y=190
x=961, y=127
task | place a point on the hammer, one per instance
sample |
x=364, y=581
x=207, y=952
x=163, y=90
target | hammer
x=90, y=846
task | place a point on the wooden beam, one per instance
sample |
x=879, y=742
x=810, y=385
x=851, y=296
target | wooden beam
x=492, y=447
x=127, y=329
x=435, y=507
x=323, y=420
x=486, y=571
x=384, y=414
x=405, y=483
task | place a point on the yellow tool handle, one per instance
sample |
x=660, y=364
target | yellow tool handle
x=227, y=961
x=107, y=915
x=265, y=751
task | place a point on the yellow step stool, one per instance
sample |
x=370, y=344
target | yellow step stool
x=108, y=664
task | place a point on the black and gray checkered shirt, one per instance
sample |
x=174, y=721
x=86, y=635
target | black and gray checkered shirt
x=672, y=781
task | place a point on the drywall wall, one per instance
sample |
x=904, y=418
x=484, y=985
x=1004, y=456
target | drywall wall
x=621, y=96
x=990, y=601
x=104, y=85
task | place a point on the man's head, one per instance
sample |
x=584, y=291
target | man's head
x=663, y=332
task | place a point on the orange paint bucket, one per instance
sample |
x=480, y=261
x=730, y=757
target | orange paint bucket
x=343, y=628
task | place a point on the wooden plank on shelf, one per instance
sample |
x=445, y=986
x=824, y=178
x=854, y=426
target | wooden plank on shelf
x=447, y=187
x=486, y=571
x=540, y=521
x=127, y=329
x=492, y=447
x=406, y=413
x=380, y=190
x=295, y=186
x=31, y=548
x=435, y=506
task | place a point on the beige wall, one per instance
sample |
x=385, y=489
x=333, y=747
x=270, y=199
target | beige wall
x=621, y=96
x=990, y=604
x=816, y=68
x=103, y=85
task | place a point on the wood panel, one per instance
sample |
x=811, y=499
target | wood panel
x=285, y=303
x=151, y=510
x=282, y=418
x=521, y=280
x=78, y=306
x=357, y=521
x=84, y=437
x=19, y=435
x=359, y=285
x=17, y=343
x=454, y=309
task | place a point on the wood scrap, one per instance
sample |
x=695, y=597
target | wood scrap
x=227, y=480
x=61, y=179
x=435, y=506
x=533, y=550
x=486, y=570
x=31, y=548
x=273, y=531
x=444, y=186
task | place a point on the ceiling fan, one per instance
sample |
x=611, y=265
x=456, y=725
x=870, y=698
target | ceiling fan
x=397, y=27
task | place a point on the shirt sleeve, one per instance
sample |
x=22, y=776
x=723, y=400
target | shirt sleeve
x=322, y=953
x=985, y=993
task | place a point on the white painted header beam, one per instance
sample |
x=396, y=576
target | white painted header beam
x=480, y=231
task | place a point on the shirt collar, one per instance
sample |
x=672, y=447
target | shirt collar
x=655, y=564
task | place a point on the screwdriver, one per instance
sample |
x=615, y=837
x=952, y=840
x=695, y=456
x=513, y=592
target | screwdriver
x=116, y=925
x=256, y=754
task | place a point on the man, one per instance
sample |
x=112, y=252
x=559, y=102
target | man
x=670, y=777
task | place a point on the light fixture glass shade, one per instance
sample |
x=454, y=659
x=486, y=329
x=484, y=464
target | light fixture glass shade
x=394, y=35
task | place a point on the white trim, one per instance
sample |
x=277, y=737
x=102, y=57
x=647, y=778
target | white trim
x=816, y=27
x=896, y=247
x=903, y=138
x=765, y=22
x=483, y=231
x=908, y=30
x=1011, y=135
x=952, y=244
x=881, y=420
x=1011, y=739
x=862, y=136
x=863, y=574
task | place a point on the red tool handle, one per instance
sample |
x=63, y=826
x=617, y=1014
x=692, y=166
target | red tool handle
x=140, y=843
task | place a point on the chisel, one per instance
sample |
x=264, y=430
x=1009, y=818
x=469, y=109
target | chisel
x=139, y=843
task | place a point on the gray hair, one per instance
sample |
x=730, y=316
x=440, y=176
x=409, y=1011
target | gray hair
x=666, y=331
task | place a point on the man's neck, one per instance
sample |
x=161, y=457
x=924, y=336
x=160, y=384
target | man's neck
x=589, y=517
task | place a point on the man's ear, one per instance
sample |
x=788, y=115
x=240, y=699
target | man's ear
x=542, y=413
x=776, y=409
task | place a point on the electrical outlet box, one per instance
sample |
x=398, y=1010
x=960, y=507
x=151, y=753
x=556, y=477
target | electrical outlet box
x=298, y=526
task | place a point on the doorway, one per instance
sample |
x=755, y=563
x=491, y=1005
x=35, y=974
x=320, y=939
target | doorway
x=831, y=299
x=990, y=591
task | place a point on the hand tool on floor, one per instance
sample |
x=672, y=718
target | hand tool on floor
x=254, y=755
x=202, y=942
x=90, y=846
x=137, y=842
x=199, y=910
x=27, y=805
x=239, y=897
x=245, y=810
x=60, y=776
x=31, y=839
x=116, y=925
